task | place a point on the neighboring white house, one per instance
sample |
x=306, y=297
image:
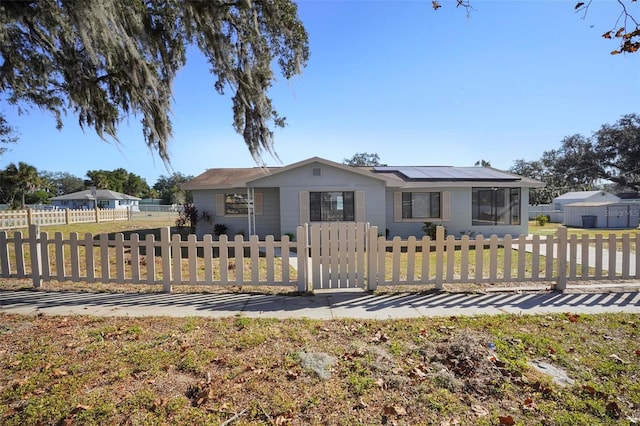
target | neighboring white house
x=275, y=200
x=101, y=198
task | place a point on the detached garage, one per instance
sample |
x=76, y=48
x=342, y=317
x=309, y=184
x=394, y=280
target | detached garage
x=604, y=214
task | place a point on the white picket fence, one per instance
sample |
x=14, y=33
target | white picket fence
x=375, y=261
x=16, y=219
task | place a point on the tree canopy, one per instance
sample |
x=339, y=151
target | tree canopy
x=60, y=183
x=105, y=60
x=363, y=159
x=118, y=180
x=7, y=134
x=16, y=181
x=482, y=163
x=169, y=189
x=22, y=183
x=611, y=154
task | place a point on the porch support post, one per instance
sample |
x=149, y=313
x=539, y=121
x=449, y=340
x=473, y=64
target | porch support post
x=251, y=211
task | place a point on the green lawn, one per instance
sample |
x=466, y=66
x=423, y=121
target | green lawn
x=440, y=371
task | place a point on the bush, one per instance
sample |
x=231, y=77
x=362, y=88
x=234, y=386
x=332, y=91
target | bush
x=542, y=219
x=188, y=217
x=219, y=229
x=430, y=228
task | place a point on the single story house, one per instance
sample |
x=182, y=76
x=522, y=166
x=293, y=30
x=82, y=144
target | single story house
x=100, y=198
x=583, y=197
x=398, y=200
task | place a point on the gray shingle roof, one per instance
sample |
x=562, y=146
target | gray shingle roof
x=101, y=194
x=221, y=178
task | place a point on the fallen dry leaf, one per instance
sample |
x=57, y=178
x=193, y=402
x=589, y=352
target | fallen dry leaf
x=528, y=404
x=395, y=410
x=479, y=410
x=282, y=419
x=617, y=358
x=506, y=420
x=613, y=410
x=572, y=317
x=80, y=407
x=379, y=337
x=292, y=375
x=57, y=373
x=418, y=372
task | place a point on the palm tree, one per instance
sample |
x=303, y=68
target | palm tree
x=23, y=179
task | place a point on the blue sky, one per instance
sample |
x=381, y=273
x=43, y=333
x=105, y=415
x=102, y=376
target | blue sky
x=396, y=78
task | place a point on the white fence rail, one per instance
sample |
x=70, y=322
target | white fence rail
x=16, y=219
x=168, y=260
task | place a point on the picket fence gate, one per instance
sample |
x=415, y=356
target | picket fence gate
x=322, y=256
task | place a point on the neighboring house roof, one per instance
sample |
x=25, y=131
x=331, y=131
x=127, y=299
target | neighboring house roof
x=101, y=194
x=226, y=178
x=401, y=176
x=579, y=195
x=597, y=204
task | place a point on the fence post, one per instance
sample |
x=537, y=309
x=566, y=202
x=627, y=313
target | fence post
x=29, y=216
x=36, y=255
x=440, y=243
x=165, y=254
x=303, y=259
x=561, y=258
x=67, y=216
x=372, y=258
x=97, y=215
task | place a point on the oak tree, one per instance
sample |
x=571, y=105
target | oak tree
x=363, y=159
x=7, y=134
x=105, y=60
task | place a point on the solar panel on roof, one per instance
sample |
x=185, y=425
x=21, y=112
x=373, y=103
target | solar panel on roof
x=447, y=173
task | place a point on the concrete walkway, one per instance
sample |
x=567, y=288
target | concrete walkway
x=323, y=306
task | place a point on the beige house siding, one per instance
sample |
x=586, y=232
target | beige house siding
x=296, y=184
x=456, y=214
x=267, y=207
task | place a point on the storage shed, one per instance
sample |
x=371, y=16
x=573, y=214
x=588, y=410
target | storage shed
x=602, y=215
x=583, y=197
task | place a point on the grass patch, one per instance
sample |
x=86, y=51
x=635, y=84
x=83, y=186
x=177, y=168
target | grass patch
x=461, y=370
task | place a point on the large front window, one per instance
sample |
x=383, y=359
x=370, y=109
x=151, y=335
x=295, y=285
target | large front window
x=420, y=205
x=331, y=206
x=496, y=206
x=235, y=204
